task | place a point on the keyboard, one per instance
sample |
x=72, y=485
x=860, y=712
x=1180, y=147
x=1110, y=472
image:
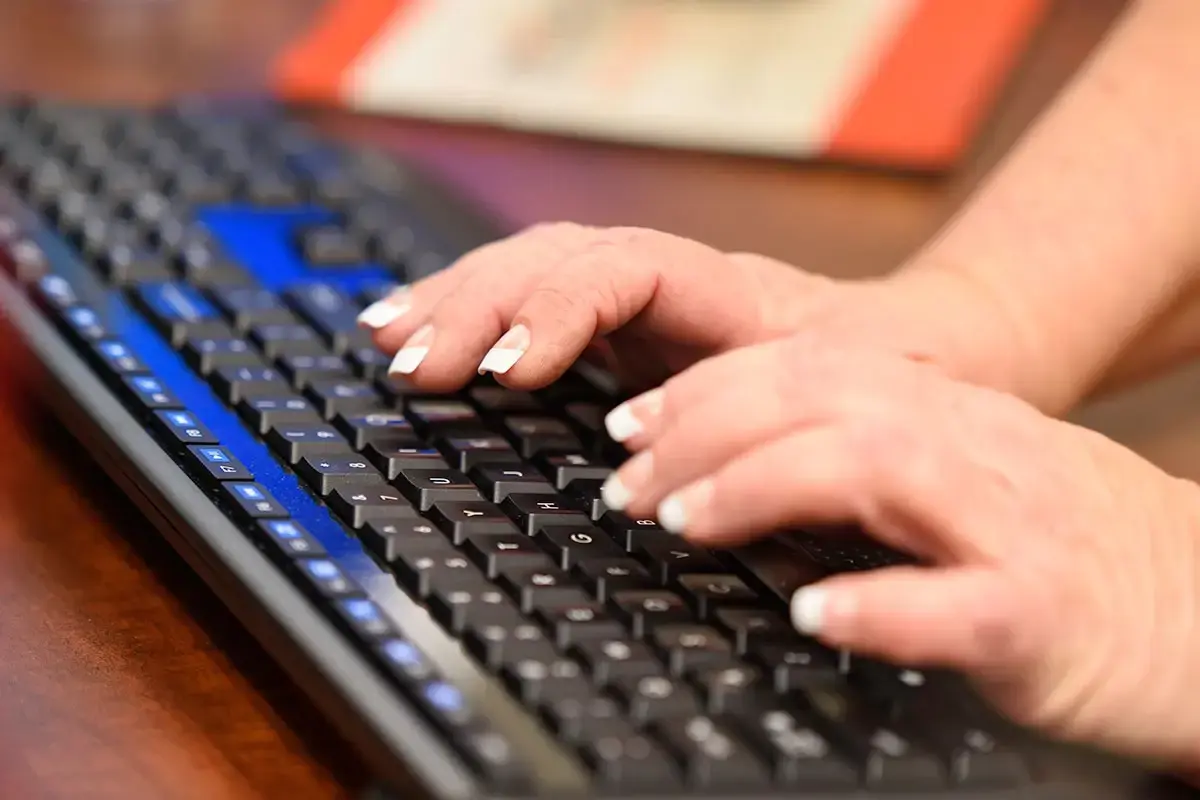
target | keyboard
x=439, y=573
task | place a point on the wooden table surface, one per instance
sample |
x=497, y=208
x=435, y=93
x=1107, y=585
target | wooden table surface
x=120, y=676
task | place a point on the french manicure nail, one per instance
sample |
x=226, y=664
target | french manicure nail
x=675, y=512
x=506, y=352
x=808, y=609
x=413, y=352
x=627, y=420
x=628, y=481
x=384, y=312
x=616, y=495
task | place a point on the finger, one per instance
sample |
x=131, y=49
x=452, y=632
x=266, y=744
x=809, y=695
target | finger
x=442, y=340
x=380, y=315
x=964, y=618
x=685, y=443
x=674, y=286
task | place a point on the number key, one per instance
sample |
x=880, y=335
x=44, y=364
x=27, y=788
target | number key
x=326, y=473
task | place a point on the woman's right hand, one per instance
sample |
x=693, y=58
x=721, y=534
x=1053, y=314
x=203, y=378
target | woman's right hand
x=526, y=307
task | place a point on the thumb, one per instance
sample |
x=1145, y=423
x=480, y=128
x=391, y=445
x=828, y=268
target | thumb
x=962, y=618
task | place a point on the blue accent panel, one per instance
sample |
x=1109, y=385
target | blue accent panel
x=263, y=242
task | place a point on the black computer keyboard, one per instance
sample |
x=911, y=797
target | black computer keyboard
x=439, y=572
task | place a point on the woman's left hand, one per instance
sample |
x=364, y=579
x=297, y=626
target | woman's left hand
x=1060, y=571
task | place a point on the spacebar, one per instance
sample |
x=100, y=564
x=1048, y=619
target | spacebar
x=776, y=567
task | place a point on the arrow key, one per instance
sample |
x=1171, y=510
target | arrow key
x=494, y=553
x=459, y=520
x=359, y=505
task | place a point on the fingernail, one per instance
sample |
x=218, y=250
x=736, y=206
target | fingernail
x=681, y=508
x=808, y=609
x=413, y=352
x=622, y=485
x=506, y=352
x=628, y=419
x=384, y=312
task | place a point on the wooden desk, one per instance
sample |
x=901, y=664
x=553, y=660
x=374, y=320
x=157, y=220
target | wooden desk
x=119, y=675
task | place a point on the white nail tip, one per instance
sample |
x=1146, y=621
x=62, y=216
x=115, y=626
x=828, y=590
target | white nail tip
x=672, y=515
x=615, y=494
x=407, y=360
x=808, y=610
x=500, y=360
x=621, y=423
x=381, y=314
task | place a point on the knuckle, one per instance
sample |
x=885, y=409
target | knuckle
x=621, y=238
x=551, y=231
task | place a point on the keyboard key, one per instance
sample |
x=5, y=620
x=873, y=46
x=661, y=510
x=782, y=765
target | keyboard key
x=889, y=759
x=587, y=494
x=499, y=400
x=333, y=397
x=293, y=441
x=453, y=606
x=630, y=763
x=388, y=538
x=490, y=643
x=84, y=322
x=494, y=553
x=118, y=357
x=655, y=697
x=668, y=556
x=330, y=472
x=54, y=293
x=301, y=369
x=563, y=469
x=442, y=417
x=205, y=353
x=368, y=362
x=248, y=306
x=364, y=618
x=732, y=688
x=151, y=393
x=234, y=383
x=534, y=511
x=327, y=578
x=539, y=587
x=627, y=532
x=604, y=577
x=404, y=660
x=467, y=453
x=263, y=412
x=495, y=756
x=569, y=545
x=331, y=246
x=536, y=681
x=330, y=311
x=711, y=754
x=218, y=463
x=536, y=435
x=291, y=539
x=420, y=572
x=796, y=665
x=608, y=660
x=751, y=626
x=446, y=704
x=689, y=647
x=707, y=593
x=424, y=487
x=577, y=622
x=375, y=425
x=799, y=755
x=498, y=481
x=642, y=611
x=359, y=505
x=276, y=339
x=182, y=427
x=253, y=501
x=402, y=451
x=175, y=309
x=460, y=520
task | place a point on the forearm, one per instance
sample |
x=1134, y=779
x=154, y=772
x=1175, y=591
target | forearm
x=1088, y=230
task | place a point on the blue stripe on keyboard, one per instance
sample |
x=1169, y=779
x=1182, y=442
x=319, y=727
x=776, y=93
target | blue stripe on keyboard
x=261, y=241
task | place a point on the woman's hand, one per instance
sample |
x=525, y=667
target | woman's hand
x=527, y=307
x=1063, y=570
